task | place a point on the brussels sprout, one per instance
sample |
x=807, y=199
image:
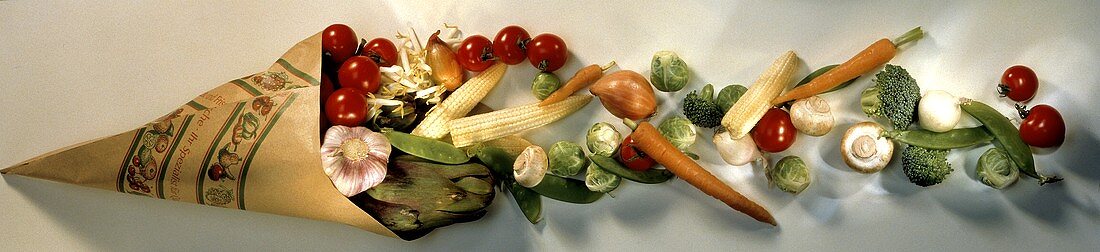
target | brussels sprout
x=544, y=84
x=729, y=95
x=996, y=170
x=566, y=159
x=790, y=175
x=669, y=72
x=603, y=139
x=599, y=180
x=679, y=131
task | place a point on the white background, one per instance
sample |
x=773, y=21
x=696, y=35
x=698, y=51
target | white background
x=75, y=71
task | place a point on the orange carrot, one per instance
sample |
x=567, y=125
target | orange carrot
x=581, y=79
x=870, y=58
x=653, y=144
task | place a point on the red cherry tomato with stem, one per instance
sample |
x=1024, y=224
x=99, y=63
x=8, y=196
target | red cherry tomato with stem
x=1042, y=127
x=475, y=53
x=1018, y=83
x=633, y=158
x=347, y=107
x=547, y=52
x=339, y=41
x=774, y=132
x=510, y=44
x=381, y=50
x=360, y=72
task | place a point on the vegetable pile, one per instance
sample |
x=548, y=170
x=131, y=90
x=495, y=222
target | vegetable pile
x=420, y=99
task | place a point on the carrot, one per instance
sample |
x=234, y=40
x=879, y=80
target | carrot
x=870, y=58
x=653, y=144
x=581, y=79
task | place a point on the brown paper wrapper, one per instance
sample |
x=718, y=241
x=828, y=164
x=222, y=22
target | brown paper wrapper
x=249, y=144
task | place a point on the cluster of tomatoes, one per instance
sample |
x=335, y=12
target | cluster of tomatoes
x=356, y=66
x=546, y=52
x=1042, y=125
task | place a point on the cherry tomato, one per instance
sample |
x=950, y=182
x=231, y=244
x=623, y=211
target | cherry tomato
x=774, y=132
x=347, y=107
x=475, y=53
x=326, y=88
x=633, y=158
x=1042, y=127
x=339, y=41
x=360, y=72
x=547, y=52
x=381, y=50
x=510, y=45
x=1018, y=83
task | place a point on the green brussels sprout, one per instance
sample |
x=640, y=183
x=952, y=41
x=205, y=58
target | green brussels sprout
x=544, y=84
x=669, y=72
x=599, y=180
x=566, y=159
x=603, y=139
x=729, y=95
x=679, y=131
x=790, y=175
x=996, y=170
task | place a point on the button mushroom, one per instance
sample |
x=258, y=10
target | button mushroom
x=812, y=116
x=530, y=167
x=865, y=149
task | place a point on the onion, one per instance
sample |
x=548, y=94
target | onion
x=626, y=94
x=444, y=63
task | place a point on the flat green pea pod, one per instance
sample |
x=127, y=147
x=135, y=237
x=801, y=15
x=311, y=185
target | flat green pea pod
x=669, y=72
x=1008, y=138
x=821, y=71
x=498, y=161
x=426, y=148
x=729, y=95
x=599, y=180
x=996, y=170
x=544, y=84
x=530, y=203
x=651, y=176
x=566, y=189
x=790, y=174
x=952, y=139
x=566, y=159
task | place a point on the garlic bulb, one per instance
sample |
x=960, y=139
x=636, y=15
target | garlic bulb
x=354, y=159
x=736, y=151
x=812, y=116
x=530, y=166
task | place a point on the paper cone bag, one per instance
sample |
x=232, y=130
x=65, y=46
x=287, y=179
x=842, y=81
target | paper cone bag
x=250, y=144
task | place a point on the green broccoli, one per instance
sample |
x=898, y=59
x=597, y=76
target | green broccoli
x=893, y=96
x=700, y=108
x=925, y=167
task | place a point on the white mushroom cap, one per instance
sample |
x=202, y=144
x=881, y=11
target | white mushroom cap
x=865, y=149
x=530, y=166
x=812, y=116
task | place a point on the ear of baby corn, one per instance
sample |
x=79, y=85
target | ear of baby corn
x=460, y=102
x=747, y=111
x=484, y=127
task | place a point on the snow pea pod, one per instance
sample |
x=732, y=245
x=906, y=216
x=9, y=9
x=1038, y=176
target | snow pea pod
x=530, y=203
x=952, y=139
x=1008, y=138
x=498, y=161
x=566, y=189
x=651, y=176
x=426, y=148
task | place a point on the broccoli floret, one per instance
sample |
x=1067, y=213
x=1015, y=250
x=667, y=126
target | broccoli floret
x=700, y=108
x=893, y=96
x=925, y=167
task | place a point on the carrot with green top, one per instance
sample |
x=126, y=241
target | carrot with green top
x=584, y=77
x=870, y=58
x=652, y=143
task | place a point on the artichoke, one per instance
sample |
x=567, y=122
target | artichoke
x=419, y=196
